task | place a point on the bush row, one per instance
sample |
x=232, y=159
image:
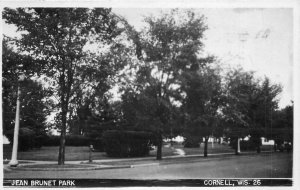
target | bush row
x=127, y=143
x=191, y=143
x=244, y=145
x=114, y=143
x=28, y=139
x=98, y=144
x=72, y=140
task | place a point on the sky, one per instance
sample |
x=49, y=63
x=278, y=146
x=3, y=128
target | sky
x=260, y=40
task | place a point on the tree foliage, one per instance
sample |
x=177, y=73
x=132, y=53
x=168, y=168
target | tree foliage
x=281, y=126
x=169, y=44
x=57, y=38
x=250, y=102
x=203, y=102
x=34, y=97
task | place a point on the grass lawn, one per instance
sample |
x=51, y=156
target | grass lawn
x=217, y=148
x=50, y=153
x=82, y=153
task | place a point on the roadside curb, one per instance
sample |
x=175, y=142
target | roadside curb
x=96, y=166
x=145, y=165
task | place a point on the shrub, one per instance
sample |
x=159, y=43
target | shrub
x=26, y=142
x=248, y=145
x=126, y=143
x=39, y=140
x=26, y=138
x=244, y=145
x=98, y=144
x=51, y=141
x=71, y=140
x=190, y=143
x=78, y=140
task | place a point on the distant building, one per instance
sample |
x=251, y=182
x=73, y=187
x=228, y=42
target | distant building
x=5, y=140
x=265, y=141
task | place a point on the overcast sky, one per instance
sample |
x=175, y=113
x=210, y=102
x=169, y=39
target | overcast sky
x=258, y=39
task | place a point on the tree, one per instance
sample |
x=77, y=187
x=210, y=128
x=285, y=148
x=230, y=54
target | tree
x=241, y=87
x=281, y=126
x=93, y=83
x=34, y=98
x=204, y=98
x=261, y=109
x=57, y=37
x=168, y=45
x=250, y=104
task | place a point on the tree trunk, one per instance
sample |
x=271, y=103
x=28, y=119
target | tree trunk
x=237, y=148
x=159, y=147
x=61, y=153
x=205, y=146
x=258, y=149
x=275, y=147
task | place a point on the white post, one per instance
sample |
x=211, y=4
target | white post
x=238, y=146
x=14, y=162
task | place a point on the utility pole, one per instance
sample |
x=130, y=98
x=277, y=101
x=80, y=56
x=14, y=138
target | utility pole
x=14, y=162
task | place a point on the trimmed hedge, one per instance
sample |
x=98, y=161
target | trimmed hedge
x=51, y=141
x=27, y=139
x=191, y=143
x=248, y=145
x=71, y=140
x=98, y=144
x=127, y=143
x=244, y=145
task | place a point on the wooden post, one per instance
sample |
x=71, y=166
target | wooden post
x=90, y=154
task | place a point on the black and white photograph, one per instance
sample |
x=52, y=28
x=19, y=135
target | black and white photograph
x=150, y=94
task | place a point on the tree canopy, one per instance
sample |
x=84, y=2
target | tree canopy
x=168, y=45
x=57, y=39
x=80, y=57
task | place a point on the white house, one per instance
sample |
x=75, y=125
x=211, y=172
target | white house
x=265, y=141
x=5, y=140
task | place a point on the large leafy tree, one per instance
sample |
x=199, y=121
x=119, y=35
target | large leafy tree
x=250, y=104
x=34, y=97
x=169, y=44
x=261, y=108
x=92, y=102
x=281, y=126
x=57, y=37
x=241, y=87
x=203, y=102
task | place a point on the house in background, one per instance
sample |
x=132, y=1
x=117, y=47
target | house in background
x=265, y=141
x=5, y=140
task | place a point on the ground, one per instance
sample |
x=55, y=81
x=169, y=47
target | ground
x=265, y=165
x=177, y=163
